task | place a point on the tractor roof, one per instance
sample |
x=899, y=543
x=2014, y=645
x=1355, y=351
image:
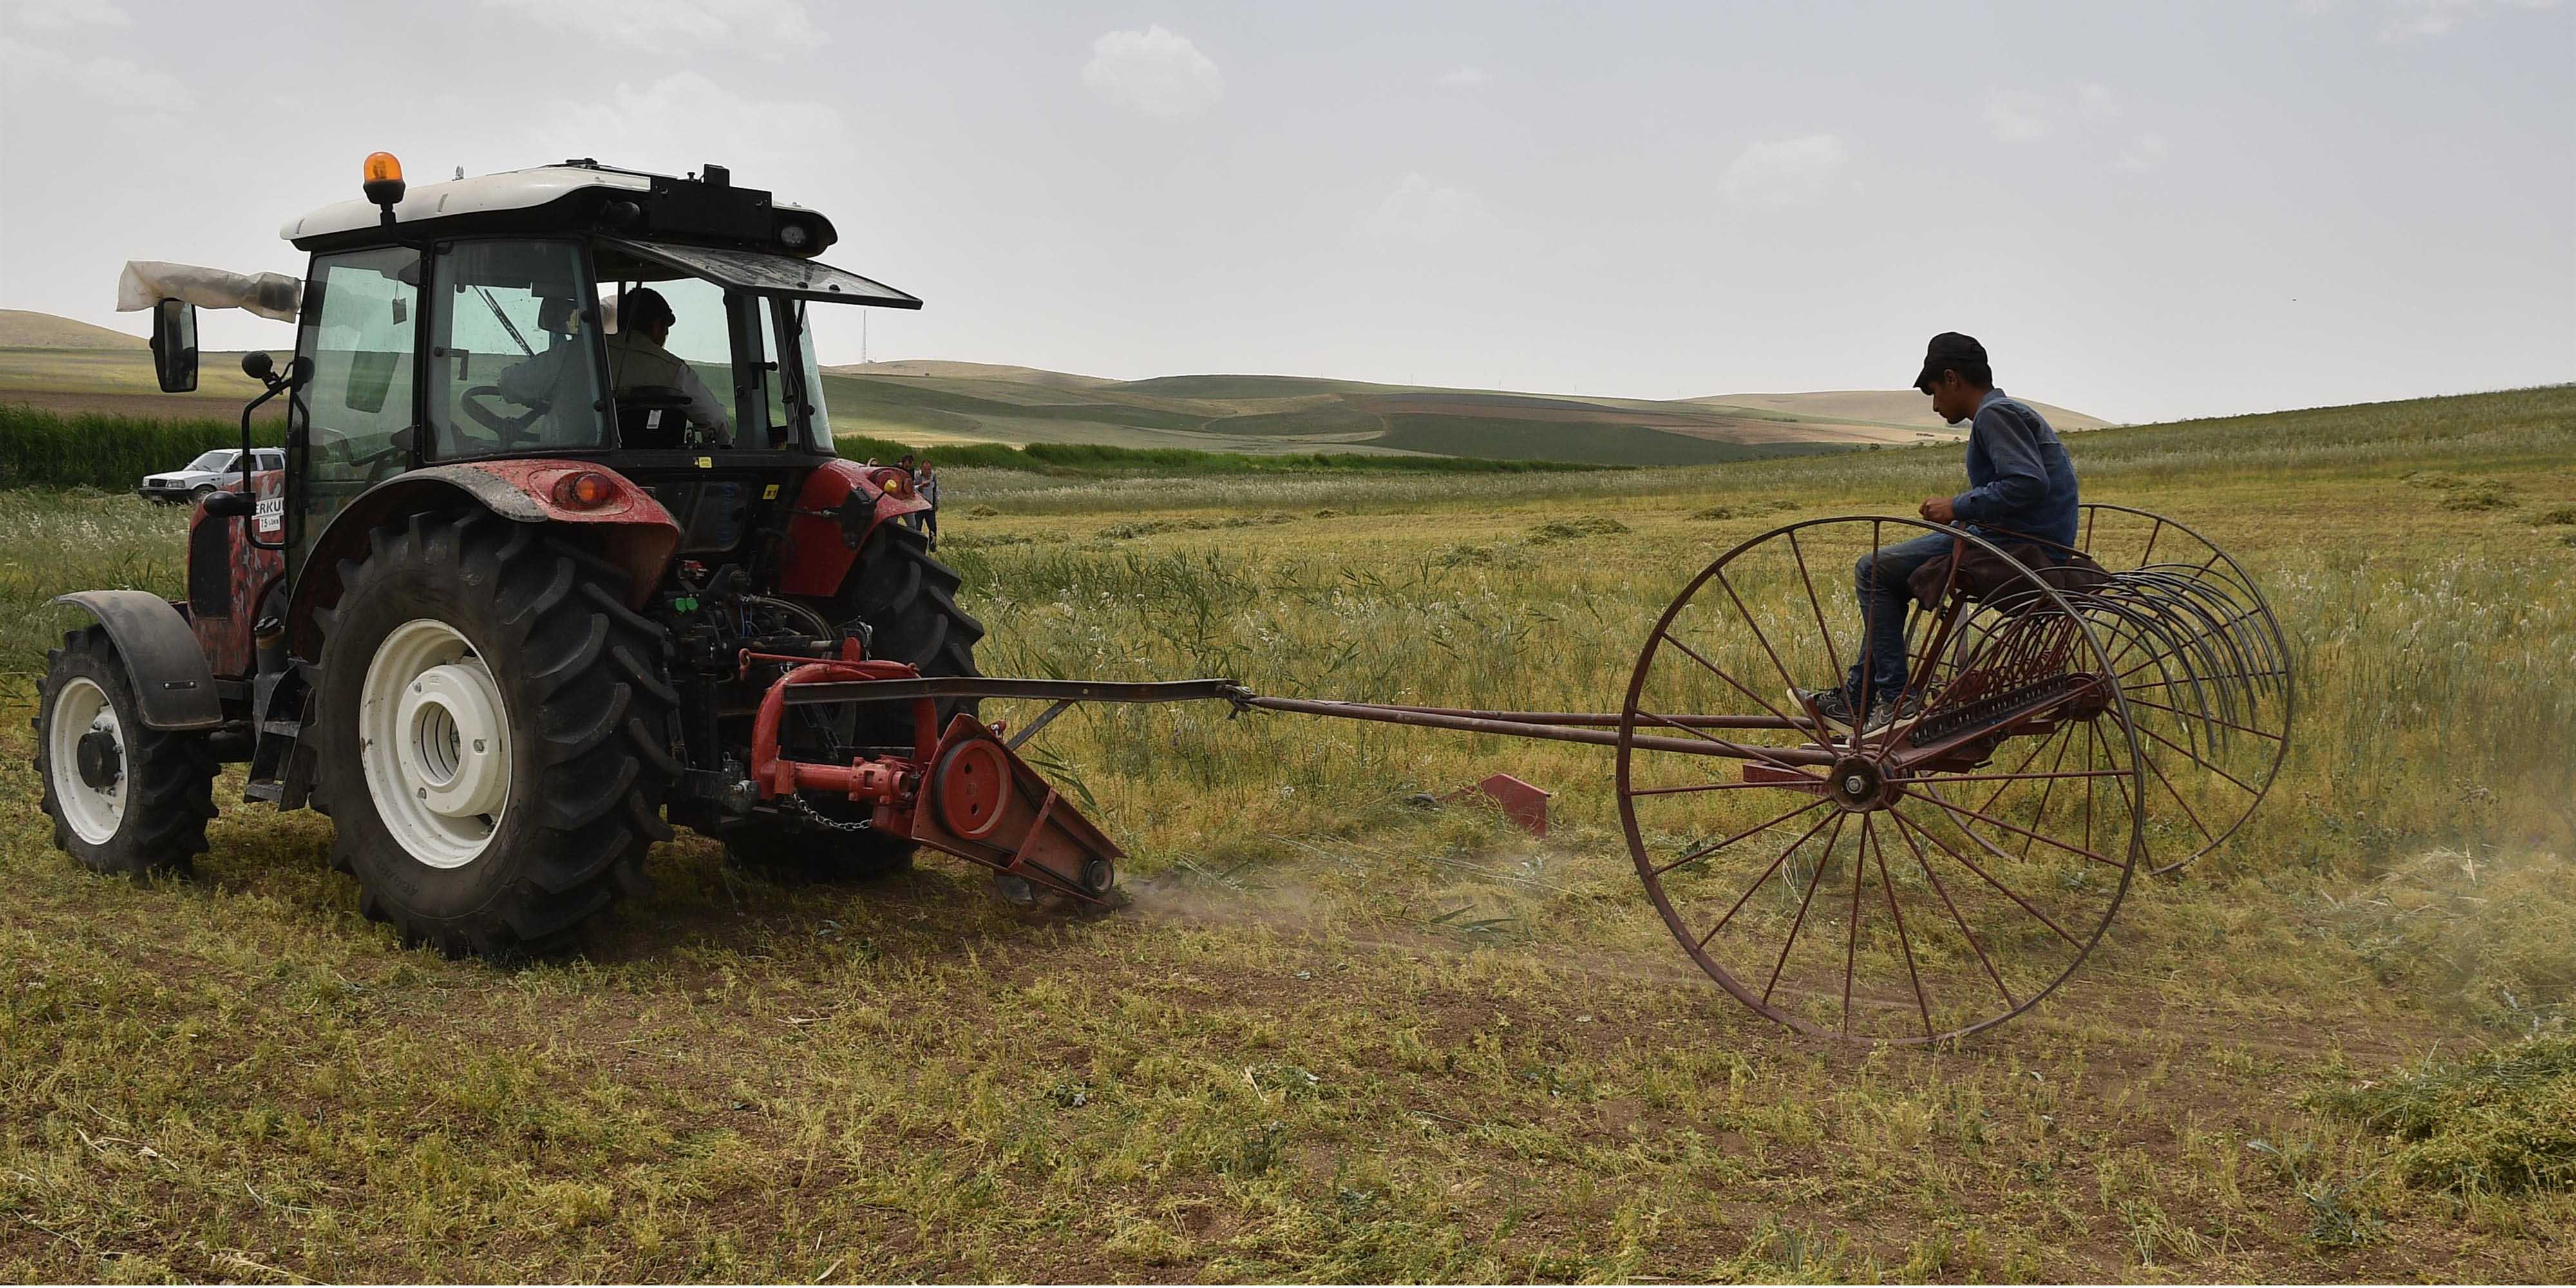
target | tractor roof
x=576, y=196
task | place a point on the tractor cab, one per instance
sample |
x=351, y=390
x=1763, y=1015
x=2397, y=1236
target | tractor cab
x=480, y=320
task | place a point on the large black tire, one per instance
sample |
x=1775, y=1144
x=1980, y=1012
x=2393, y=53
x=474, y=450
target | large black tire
x=908, y=600
x=164, y=781
x=586, y=702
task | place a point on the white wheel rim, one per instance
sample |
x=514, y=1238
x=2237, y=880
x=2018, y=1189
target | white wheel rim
x=81, y=708
x=434, y=741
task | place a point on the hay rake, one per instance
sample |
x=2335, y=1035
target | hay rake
x=2120, y=705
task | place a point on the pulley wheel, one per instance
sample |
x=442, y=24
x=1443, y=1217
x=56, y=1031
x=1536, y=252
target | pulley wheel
x=969, y=785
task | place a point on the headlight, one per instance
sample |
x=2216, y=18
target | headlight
x=795, y=236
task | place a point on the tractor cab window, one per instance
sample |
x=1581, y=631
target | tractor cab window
x=352, y=420
x=513, y=363
x=794, y=379
x=673, y=367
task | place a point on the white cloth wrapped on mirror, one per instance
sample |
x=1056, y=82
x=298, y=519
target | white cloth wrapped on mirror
x=147, y=281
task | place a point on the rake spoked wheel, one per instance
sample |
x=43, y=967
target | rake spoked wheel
x=1900, y=884
x=2206, y=668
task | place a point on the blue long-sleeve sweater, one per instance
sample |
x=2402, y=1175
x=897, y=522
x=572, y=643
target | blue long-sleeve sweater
x=2019, y=476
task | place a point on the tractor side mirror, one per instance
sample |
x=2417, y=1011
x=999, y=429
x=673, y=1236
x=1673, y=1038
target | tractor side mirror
x=258, y=366
x=229, y=505
x=174, y=345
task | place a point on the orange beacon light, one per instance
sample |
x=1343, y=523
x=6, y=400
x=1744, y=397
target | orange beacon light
x=384, y=181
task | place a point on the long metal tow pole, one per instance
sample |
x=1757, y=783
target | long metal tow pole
x=1598, y=729
x=1516, y=724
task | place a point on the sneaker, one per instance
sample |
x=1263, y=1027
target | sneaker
x=1833, y=704
x=1886, y=710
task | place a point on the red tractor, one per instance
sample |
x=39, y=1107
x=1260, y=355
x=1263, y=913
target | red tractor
x=533, y=586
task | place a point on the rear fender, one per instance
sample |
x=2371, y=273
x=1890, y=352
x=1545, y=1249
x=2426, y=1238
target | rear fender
x=632, y=530
x=172, y=682
x=837, y=510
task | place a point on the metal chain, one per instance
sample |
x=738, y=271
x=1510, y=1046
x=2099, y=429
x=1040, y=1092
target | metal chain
x=797, y=805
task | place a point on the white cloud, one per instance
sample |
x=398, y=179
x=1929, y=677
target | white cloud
x=1155, y=71
x=1464, y=78
x=1786, y=172
x=118, y=83
x=2094, y=103
x=2019, y=116
x=1425, y=213
x=685, y=119
x=773, y=28
x=2424, y=18
x=2146, y=153
x=58, y=15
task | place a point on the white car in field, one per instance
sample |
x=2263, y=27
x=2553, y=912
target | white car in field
x=206, y=473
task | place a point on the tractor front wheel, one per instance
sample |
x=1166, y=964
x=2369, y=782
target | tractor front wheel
x=123, y=798
x=492, y=732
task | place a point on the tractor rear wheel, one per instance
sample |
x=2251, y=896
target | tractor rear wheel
x=123, y=798
x=493, y=732
x=908, y=603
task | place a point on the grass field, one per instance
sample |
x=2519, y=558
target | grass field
x=1339, y=1037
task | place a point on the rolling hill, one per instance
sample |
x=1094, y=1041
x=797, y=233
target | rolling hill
x=942, y=402
x=70, y=366
x=27, y=329
x=1880, y=406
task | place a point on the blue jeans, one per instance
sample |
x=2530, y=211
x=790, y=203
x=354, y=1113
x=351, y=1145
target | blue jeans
x=1879, y=579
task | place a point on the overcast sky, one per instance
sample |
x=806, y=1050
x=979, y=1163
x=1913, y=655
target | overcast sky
x=2145, y=211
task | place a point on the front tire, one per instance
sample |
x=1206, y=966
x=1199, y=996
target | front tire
x=123, y=798
x=492, y=732
x=908, y=603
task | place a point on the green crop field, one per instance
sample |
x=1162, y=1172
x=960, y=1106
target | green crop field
x=1340, y=1037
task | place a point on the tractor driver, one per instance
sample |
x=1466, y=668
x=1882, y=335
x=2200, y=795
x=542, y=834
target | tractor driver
x=636, y=360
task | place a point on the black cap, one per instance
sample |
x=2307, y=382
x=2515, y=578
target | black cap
x=1948, y=351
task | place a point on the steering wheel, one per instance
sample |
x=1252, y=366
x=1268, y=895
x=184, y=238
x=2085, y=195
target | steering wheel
x=336, y=447
x=506, y=429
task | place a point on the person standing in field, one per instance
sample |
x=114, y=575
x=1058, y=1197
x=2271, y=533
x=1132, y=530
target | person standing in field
x=2021, y=484
x=925, y=481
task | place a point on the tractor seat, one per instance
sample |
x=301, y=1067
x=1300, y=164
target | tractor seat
x=652, y=416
